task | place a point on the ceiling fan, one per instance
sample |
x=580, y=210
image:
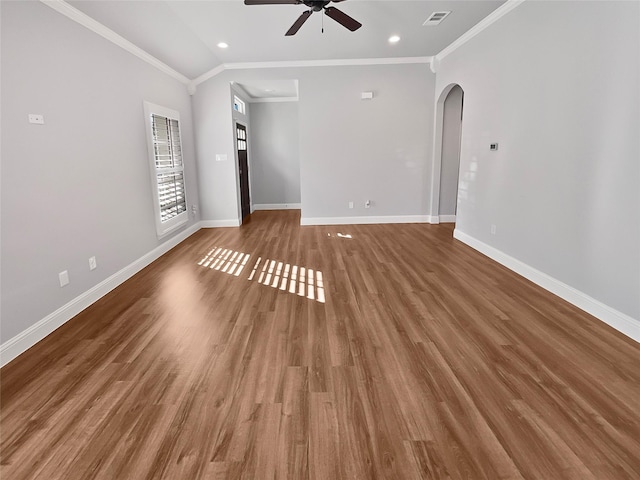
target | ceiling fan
x=314, y=6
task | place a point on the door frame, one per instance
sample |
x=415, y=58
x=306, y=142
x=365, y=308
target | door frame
x=235, y=122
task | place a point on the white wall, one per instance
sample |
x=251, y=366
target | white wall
x=275, y=159
x=79, y=185
x=350, y=149
x=557, y=85
x=451, y=130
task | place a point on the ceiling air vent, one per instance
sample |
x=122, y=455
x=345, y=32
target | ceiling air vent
x=435, y=18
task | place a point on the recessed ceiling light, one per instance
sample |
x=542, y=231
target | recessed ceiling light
x=394, y=39
x=222, y=45
x=269, y=90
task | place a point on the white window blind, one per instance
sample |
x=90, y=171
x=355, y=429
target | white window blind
x=167, y=168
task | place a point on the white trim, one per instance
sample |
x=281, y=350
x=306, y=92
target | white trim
x=277, y=206
x=239, y=90
x=77, y=16
x=309, y=63
x=336, y=62
x=618, y=320
x=233, y=222
x=206, y=76
x=32, y=335
x=365, y=220
x=85, y=20
x=446, y=219
x=434, y=64
x=494, y=16
x=272, y=99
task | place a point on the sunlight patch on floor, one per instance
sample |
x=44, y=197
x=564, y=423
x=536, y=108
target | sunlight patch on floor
x=225, y=260
x=301, y=281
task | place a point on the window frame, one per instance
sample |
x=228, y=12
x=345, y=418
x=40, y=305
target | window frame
x=168, y=226
x=239, y=105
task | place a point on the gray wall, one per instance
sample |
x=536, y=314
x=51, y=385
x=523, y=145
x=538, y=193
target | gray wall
x=350, y=149
x=275, y=160
x=354, y=150
x=556, y=84
x=79, y=185
x=451, y=130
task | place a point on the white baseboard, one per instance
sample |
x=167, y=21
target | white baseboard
x=365, y=220
x=277, y=206
x=234, y=222
x=618, y=320
x=435, y=219
x=36, y=332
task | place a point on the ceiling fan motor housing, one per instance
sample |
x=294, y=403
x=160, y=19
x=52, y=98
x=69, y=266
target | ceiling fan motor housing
x=316, y=5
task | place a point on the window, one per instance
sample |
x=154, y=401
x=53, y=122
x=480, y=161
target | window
x=238, y=105
x=167, y=168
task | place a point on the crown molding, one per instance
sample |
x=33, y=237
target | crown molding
x=83, y=19
x=494, y=16
x=272, y=99
x=309, y=63
x=206, y=76
x=86, y=21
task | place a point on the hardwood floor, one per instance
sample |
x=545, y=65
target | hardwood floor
x=425, y=360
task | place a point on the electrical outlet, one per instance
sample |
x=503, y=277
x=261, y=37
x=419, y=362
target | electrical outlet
x=367, y=204
x=64, y=278
x=350, y=204
x=36, y=118
x=493, y=229
x=92, y=263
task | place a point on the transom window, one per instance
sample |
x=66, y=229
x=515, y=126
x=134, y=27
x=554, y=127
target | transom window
x=238, y=105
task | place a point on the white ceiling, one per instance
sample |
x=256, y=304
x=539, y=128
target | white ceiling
x=185, y=34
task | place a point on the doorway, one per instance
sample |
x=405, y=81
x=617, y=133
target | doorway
x=243, y=170
x=446, y=166
x=451, y=136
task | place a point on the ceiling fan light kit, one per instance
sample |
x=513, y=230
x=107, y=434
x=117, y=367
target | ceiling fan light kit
x=314, y=6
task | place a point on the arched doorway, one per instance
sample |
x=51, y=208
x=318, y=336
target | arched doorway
x=447, y=154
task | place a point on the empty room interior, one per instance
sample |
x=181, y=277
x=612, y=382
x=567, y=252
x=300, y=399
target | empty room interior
x=320, y=240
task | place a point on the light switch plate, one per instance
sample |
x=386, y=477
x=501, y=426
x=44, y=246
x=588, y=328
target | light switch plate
x=221, y=157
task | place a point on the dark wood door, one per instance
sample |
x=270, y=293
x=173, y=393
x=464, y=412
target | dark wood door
x=243, y=169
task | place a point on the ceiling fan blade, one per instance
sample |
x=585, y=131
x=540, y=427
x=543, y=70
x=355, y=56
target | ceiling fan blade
x=272, y=2
x=298, y=23
x=342, y=18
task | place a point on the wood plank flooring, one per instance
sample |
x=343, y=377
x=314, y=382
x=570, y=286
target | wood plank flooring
x=424, y=360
